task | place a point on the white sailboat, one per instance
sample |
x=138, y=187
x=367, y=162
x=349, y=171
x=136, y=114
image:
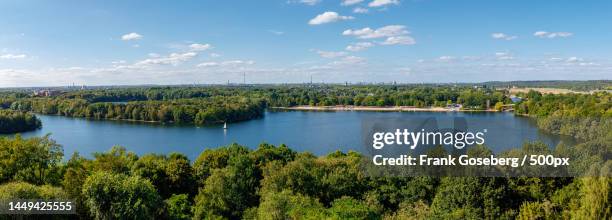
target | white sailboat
x=225, y=125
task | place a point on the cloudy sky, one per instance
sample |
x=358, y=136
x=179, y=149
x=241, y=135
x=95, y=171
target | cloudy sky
x=54, y=43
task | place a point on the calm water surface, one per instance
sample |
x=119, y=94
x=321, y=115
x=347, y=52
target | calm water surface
x=316, y=132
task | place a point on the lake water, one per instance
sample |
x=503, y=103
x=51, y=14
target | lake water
x=316, y=132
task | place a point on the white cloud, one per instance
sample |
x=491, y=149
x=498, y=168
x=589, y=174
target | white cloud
x=331, y=54
x=359, y=46
x=574, y=60
x=386, y=31
x=154, y=55
x=351, y=2
x=276, y=32
x=395, y=34
x=556, y=59
x=226, y=63
x=214, y=55
x=471, y=58
x=380, y=3
x=545, y=34
x=199, y=47
x=360, y=10
x=503, y=36
x=238, y=62
x=131, y=36
x=447, y=58
x=306, y=2
x=328, y=17
x=208, y=64
x=405, y=40
x=13, y=56
x=349, y=60
x=503, y=56
x=172, y=59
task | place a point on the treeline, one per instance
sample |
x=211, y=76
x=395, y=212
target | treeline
x=15, y=122
x=274, y=182
x=418, y=96
x=200, y=111
x=583, y=116
x=290, y=95
x=218, y=104
x=315, y=95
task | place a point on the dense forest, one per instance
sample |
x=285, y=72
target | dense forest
x=275, y=182
x=15, y=122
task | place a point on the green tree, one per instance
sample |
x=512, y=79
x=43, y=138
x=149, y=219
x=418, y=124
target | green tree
x=595, y=194
x=170, y=175
x=117, y=160
x=35, y=160
x=287, y=205
x=229, y=191
x=117, y=196
x=74, y=177
x=350, y=208
x=178, y=207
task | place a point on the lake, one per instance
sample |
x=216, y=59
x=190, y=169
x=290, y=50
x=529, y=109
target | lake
x=316, y=132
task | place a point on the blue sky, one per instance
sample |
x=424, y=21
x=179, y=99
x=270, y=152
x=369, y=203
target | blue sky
x=52, y=43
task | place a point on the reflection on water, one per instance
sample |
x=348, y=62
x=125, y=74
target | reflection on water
x=316, y=132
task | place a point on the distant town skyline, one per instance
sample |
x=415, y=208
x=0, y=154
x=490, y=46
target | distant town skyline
x=66, y=42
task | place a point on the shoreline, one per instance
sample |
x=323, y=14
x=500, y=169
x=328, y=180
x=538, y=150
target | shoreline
x=376, y=108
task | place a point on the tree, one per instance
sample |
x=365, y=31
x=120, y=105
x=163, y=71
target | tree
x=595, y=194
x=170, y=175
x=117, y=160
x=33, y=160
x=229, y=191
x=470, y=197
x=178, y=207
x=118, y=196
x=217, y=158
x=74, y=177
x=411, y=211
x=350, y=208
x=288, y=205
x=536, y=210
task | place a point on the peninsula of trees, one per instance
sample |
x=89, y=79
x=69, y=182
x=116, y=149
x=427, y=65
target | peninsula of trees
x=16, y=122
